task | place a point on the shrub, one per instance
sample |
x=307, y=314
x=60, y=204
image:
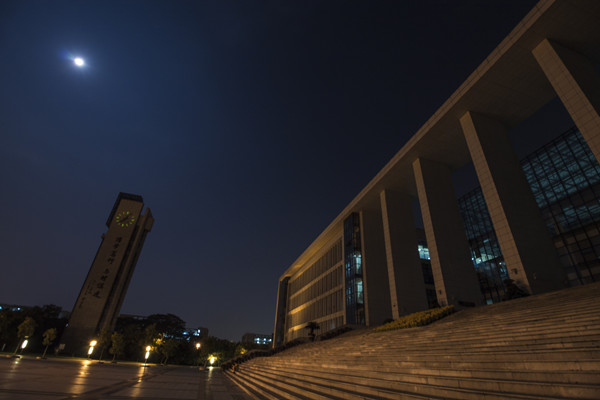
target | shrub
x=417, y=319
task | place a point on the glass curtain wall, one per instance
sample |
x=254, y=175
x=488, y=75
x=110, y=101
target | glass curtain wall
x=485, y=250
x=564, y=177
x=355, y=308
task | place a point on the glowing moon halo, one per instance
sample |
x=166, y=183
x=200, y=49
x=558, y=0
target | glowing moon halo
x=80, y=62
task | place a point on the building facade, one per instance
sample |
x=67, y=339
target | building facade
x=363, y=268
x=100, y=299
x=564, y=177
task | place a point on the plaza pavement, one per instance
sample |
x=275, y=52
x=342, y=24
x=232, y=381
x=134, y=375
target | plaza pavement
x=29, y=378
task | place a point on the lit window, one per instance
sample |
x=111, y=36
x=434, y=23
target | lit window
x=359, y=291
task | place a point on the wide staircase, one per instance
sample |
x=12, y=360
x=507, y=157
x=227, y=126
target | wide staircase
x=539, y=347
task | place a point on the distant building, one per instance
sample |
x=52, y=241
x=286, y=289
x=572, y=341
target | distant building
x=13, y=307
x=257, y=338
x=535, y=222
x=60, y=313
x=105, y=287
x=143, y=321
x=195, y=333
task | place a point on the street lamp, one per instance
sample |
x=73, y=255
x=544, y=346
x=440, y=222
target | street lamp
x=198, y=345
x=91, y=350
x=148, y=348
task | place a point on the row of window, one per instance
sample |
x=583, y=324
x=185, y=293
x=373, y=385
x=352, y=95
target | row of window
x=327, y=282
x=324, y=326
x=326, y=305
x=328, y=260
x=561, y=168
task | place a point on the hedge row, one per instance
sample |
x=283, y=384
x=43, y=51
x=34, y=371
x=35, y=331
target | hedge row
x=417, y=319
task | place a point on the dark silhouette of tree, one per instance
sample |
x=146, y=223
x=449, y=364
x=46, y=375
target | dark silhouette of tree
x=167, y=348
x=118, y=345
x=151, y=335
x=49, y=336
x=9, y=322
x=312, y=326
x=512, y=290
x=168, y=324
x=25, y=329
x=104, y=339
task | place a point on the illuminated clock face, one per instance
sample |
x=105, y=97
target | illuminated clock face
x=124, y=219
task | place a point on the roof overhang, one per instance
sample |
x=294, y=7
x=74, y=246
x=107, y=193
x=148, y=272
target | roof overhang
x=509, y=86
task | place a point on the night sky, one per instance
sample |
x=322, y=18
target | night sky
x=247, y=126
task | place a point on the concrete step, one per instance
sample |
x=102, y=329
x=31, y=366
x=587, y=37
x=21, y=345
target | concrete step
x=559, y=377
x=581, y=364
x=591, y=342
x=299, y=389
x=250, y=388
x=550, y=326
x=465, y=356
x=264, y=389
x=431, y=387
x=391, y=341
x=539, y=347
x=416, y=336
x=331, y=388
x=521, y=344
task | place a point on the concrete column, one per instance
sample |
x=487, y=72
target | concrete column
x=405, y=274
x=453, y=272
x=530, y=256
x=375, y=279
x=578, y=86
x=281, y=312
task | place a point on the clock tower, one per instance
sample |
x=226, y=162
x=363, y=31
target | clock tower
x=105, y=286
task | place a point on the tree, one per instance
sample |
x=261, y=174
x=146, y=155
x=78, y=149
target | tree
x=25, y=329
x=513, y=291
x=104, y=340
x=133, y=335
x=49, y=336
x=168, y=324
x=118, y=345
x=223, y=349
x=151, y=336
x=9, y=322
x=167, y=348
x=240, y=350
x=312, y=325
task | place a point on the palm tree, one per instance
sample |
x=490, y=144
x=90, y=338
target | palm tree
x=312, y=325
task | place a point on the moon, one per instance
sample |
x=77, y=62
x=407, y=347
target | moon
x=80, y=62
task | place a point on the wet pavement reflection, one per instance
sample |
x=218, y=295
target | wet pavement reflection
x=30, y=378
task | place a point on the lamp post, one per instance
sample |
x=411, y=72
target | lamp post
x=24, y=344
x=198, y=346
x=148, y=348
x=91, y=350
